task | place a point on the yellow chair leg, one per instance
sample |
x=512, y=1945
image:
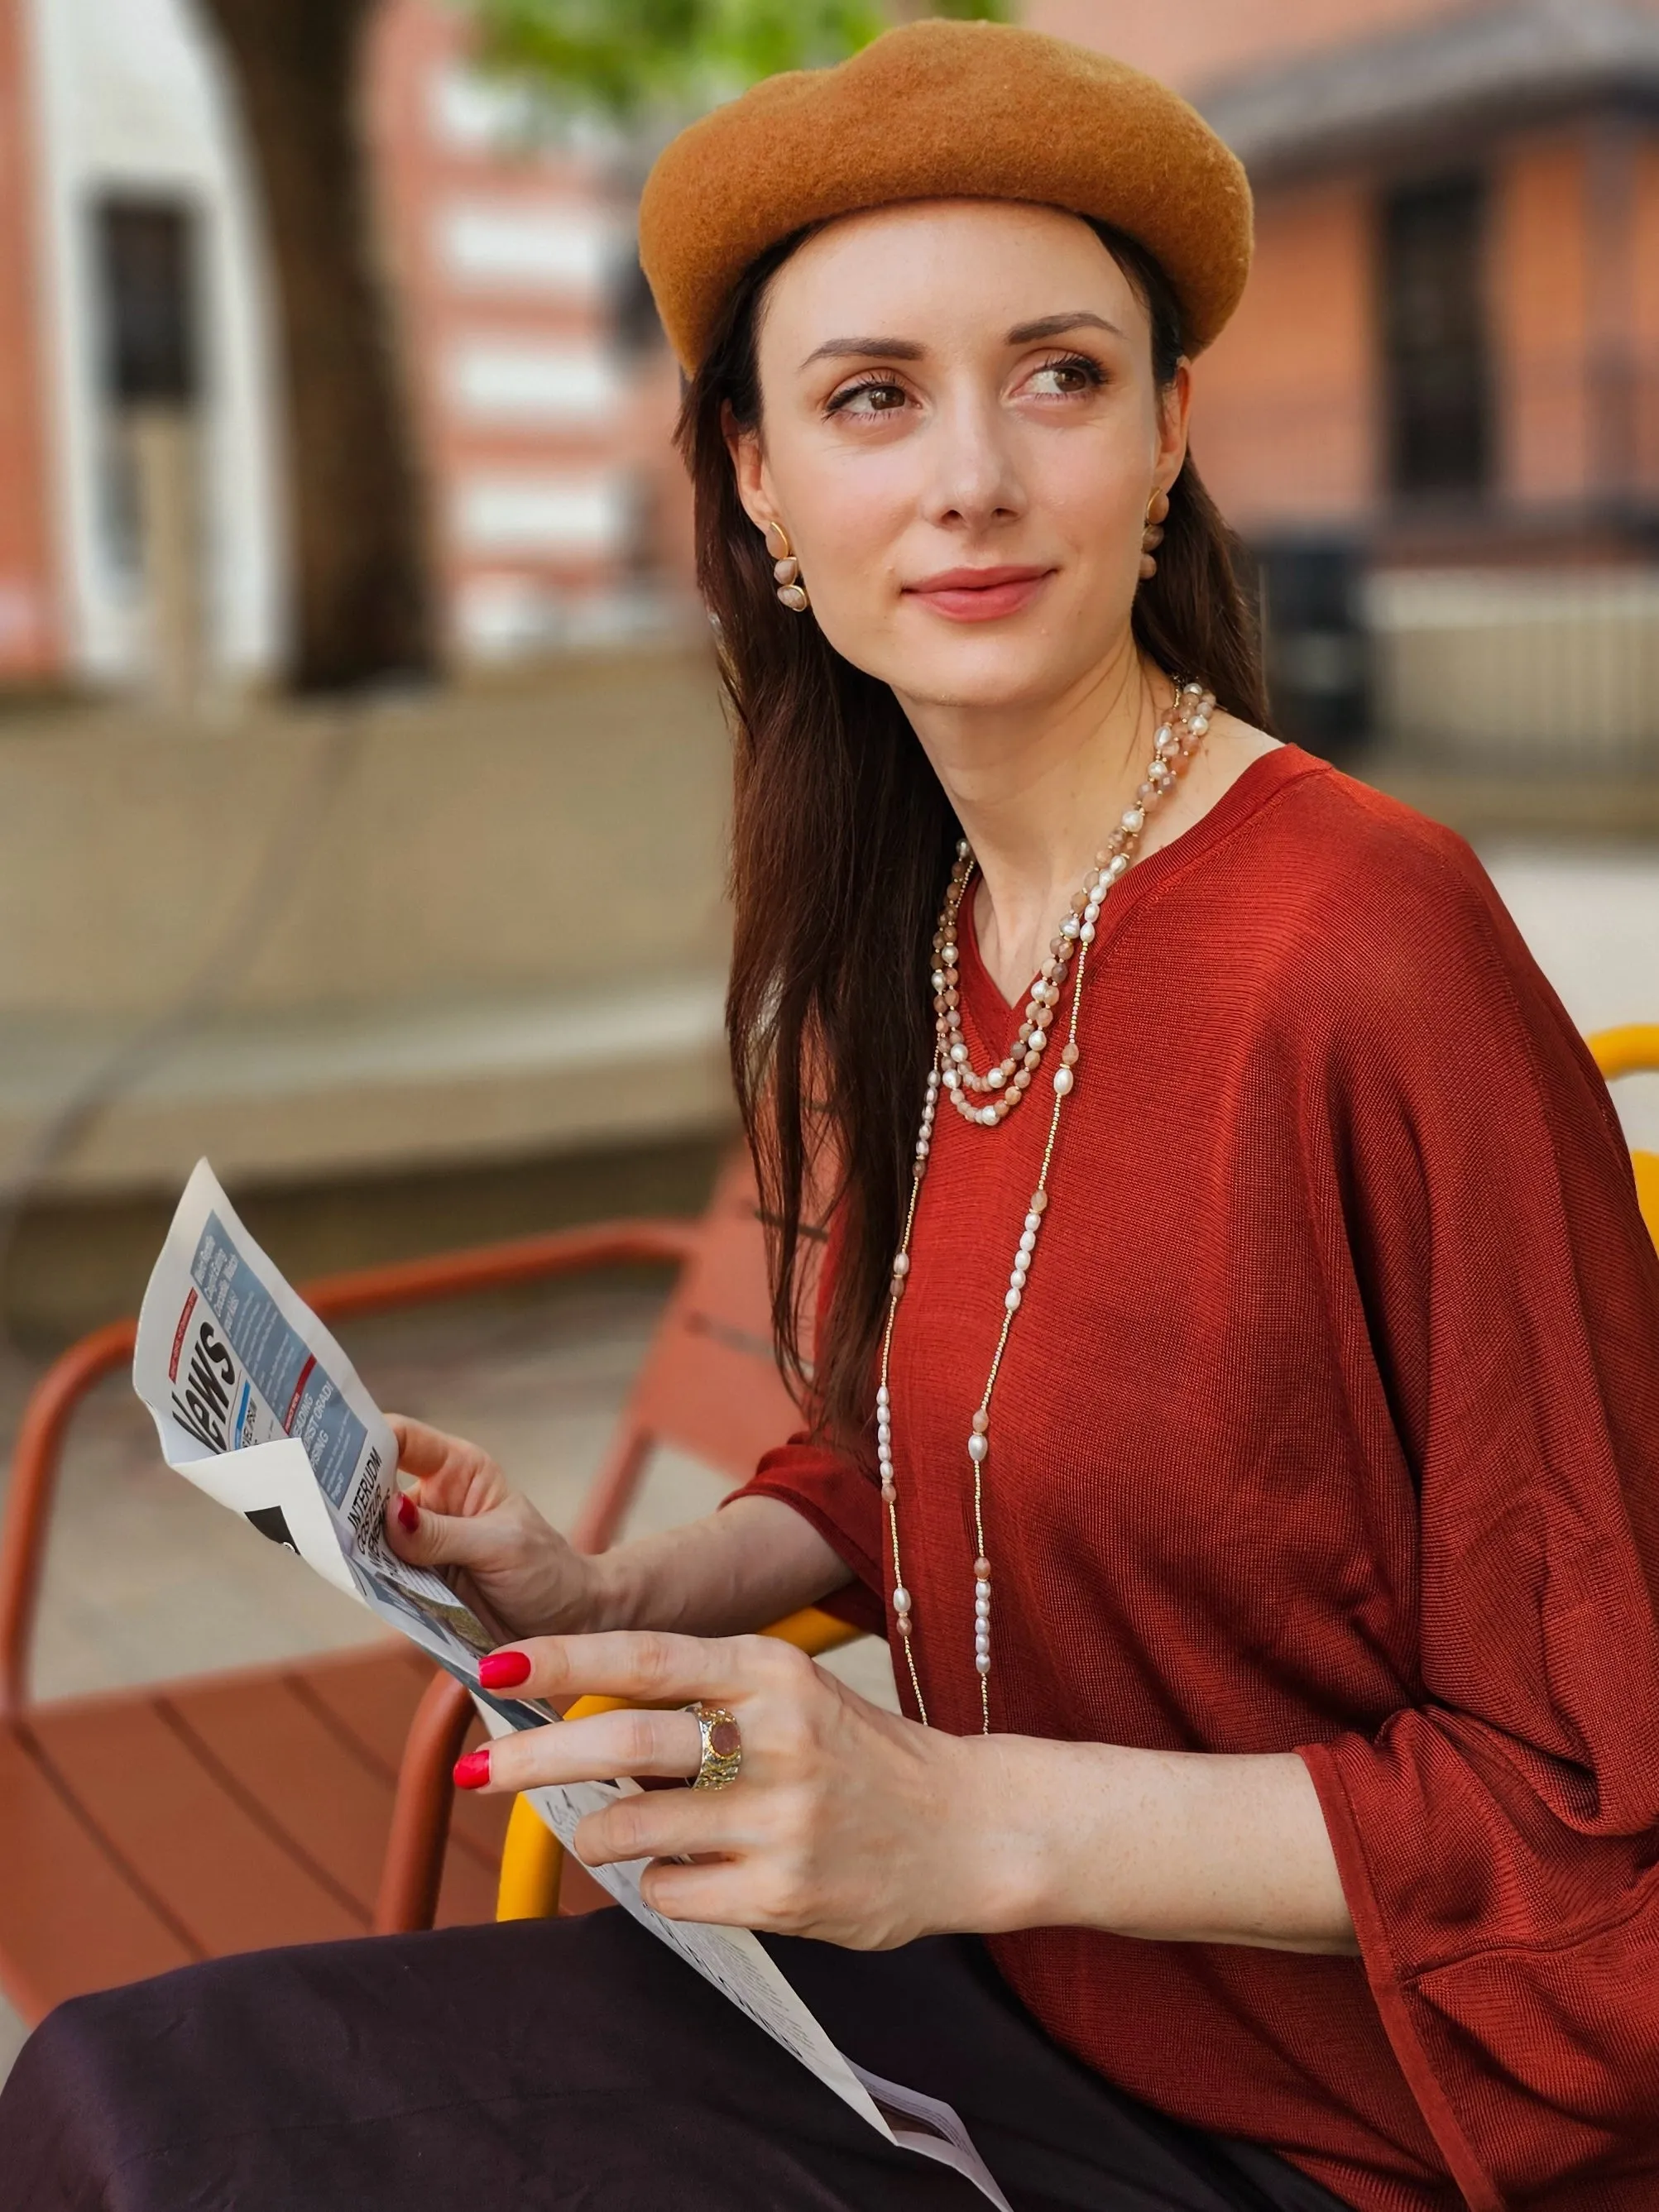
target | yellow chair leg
x=531, y=1864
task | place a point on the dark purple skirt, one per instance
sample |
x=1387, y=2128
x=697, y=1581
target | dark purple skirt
x=573, y=2066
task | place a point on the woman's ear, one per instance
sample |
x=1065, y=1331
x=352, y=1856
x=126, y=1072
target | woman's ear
x=749, y=467
x=1175, y=403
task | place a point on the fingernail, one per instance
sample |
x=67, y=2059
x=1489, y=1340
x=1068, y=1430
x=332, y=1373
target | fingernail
x=409, y=1513
x=472, y=1772
x=503, y=1670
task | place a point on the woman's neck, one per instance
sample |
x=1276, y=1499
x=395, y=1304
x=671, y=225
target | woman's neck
x=1037, y=795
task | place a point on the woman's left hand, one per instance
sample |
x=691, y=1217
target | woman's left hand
x=845, y=1823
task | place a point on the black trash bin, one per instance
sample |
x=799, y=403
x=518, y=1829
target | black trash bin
x=1316, y=641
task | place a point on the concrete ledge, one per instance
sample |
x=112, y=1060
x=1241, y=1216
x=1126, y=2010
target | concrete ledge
x=306, y=1095
x=76, y=1260
x=1591, y=810
x=376, y=938
x=562, y=837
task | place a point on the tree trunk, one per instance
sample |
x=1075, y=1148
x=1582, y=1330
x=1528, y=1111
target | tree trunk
x=362, y=589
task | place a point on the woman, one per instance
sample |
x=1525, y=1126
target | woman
x=1234, y=1387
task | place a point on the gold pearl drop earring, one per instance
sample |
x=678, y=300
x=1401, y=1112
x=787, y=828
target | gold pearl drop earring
x=792, y=592
x=1151, y=532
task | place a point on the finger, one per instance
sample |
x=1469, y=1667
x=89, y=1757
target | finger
x=659, y=1669
x=603, y=1748
x=722, y=1894
x=442, y=1540
x=667, y=1823
x=421, y=1450
x=450, y=1474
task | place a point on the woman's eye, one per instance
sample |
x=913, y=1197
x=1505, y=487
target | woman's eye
x=1062, y=379
x=868, y=399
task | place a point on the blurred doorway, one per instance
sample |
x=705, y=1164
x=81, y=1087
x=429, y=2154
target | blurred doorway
x=1436, y=373
x=146, y=260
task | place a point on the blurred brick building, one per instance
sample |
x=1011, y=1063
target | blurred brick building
x=1435, y=418
x=451, y=936
x=1435, y=415
x=543, y=390
x=141, y=506
x=1451, y=334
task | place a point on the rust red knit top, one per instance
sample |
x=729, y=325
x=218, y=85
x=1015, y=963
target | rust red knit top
x=1330, y=1422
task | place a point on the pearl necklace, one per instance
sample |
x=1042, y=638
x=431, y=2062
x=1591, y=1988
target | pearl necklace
x=1003, y=1084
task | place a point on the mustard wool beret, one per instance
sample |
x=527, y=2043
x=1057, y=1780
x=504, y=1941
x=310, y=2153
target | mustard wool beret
x=942, y=110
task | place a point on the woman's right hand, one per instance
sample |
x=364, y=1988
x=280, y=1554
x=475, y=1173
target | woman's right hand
x=458, y=1517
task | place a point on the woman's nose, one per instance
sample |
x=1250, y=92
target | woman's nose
x=972, y=476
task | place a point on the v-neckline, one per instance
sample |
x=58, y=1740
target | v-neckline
x=1249, y=789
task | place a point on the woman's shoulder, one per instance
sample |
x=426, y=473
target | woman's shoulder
x=1350, y=905
x=1321, y=825
x=1353, y=861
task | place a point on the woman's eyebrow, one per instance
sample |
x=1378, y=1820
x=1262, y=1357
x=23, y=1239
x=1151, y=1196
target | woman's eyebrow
x=1054, y=327
x=862, y=348
x=1045, y=327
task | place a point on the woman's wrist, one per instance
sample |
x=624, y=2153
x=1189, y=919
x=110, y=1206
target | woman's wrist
x=999, y=1860
x=633, y=1587
x=730, y=1574
x=564, y=1593
x=609, y=1597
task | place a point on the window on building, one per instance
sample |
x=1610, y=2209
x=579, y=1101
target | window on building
x=146, y=260
x=1436, y=373
x=149, y=363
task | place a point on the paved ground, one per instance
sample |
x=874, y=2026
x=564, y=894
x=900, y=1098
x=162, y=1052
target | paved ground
x=147, y=1579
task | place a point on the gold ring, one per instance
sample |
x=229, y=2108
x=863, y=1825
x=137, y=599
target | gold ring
x=722, y=1747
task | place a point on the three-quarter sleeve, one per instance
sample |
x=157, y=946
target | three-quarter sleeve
x=835, y=1491
x=842, y=1502
x=1499, y=1839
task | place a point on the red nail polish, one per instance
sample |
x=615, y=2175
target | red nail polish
x=409, y=1513
x=503, y=1670
x=472, y=1772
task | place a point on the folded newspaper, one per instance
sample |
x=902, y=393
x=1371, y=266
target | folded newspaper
x=257, y=1405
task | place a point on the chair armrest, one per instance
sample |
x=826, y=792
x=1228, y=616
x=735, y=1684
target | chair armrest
x=1630, y=1050
x=29, y=1494
x=52, y=1403
x=533, y=1858
x=412, y=1871
x=814, y=1632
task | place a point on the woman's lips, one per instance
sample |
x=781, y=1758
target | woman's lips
x=979, y=594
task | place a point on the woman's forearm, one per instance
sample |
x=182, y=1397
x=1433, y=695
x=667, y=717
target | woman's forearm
x=738, y=1571
x=1177, y=1847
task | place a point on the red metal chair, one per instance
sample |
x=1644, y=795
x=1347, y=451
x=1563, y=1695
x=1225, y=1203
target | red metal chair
x=145, y=1829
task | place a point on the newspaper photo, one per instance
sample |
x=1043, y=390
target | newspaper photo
x=257, y=1404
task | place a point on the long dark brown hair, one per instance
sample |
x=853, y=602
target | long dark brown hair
x=842, y=837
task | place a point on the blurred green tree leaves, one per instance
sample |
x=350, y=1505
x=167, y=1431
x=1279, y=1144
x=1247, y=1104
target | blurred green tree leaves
x=630, y=59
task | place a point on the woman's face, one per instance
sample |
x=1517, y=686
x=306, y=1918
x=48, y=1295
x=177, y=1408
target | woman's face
x=960, y=434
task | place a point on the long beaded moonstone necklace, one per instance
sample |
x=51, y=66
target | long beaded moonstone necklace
x=1002, y=1086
